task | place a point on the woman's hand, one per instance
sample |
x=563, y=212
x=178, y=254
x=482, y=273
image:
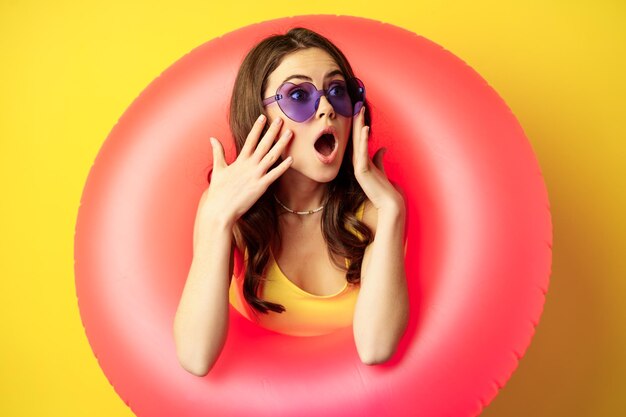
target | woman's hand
x=236, y=187
x=371, y=173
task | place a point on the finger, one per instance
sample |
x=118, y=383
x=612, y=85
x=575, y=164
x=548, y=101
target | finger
x=363, y=155
x=357, y=125
x=272, y=156
x=253, y=136
x=268, y=139
x=275, y=173
x=358, y=120
x=219, y=160
x=378, y=159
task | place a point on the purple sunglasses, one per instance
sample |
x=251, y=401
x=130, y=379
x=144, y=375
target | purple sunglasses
x=299, y=102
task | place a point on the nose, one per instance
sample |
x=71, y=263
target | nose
x=324, y=108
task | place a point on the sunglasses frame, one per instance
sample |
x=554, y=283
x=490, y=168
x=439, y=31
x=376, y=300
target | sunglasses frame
x=351, y=85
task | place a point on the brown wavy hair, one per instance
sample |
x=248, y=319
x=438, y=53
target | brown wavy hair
x=258, y=228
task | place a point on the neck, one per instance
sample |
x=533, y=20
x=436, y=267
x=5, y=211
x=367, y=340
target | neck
x=300, y=193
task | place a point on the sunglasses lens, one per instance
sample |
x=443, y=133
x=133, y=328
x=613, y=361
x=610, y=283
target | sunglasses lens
x=347, y=98
x=357, y=93
x=298, y=101
x=339, y=96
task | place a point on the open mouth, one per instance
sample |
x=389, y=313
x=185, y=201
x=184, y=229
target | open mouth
x=325, y=145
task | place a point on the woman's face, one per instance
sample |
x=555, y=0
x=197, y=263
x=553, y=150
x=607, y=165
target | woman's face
x=319, y=143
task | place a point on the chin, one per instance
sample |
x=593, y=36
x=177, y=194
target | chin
x=321, y=174
x=327, y=178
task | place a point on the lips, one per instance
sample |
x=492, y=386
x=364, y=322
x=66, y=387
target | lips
x=326, y=145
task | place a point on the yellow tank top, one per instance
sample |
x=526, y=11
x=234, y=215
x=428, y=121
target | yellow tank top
x=305, y=314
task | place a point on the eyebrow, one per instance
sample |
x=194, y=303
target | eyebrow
x=306, y=77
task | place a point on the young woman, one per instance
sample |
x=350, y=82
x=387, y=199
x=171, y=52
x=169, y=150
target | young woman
x=320, y=226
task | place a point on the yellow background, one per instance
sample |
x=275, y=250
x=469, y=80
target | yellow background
x=69, y=69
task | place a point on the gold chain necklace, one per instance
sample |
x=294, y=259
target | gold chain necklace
x=301, y=213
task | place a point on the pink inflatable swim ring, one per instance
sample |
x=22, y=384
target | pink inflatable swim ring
x=478, y=249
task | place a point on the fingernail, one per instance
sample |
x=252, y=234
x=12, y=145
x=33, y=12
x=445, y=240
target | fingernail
x=261, y=118
x=287, y=133
x=212, y=140
x=277, y=121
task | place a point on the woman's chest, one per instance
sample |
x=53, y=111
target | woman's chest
x=305, y=261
